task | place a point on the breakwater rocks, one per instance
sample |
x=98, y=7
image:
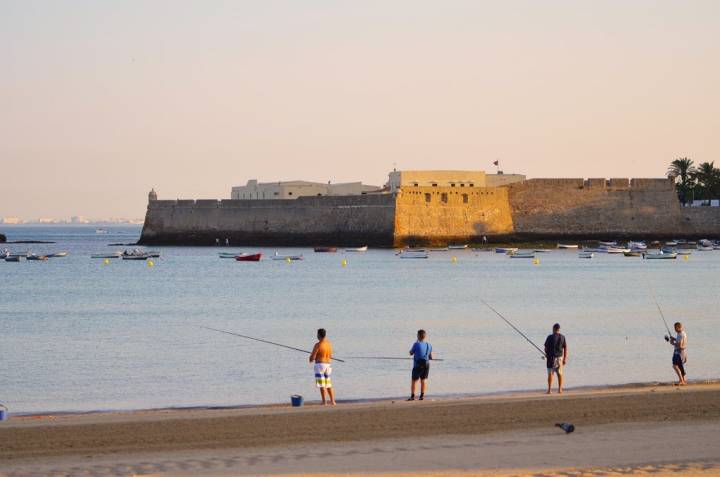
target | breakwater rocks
x=536, y=209
x=3, y=238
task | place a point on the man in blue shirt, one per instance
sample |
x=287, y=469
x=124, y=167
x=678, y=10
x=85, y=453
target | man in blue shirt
x=421, y=352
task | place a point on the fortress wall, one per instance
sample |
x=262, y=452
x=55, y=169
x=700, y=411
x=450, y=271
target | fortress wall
x=451, y=214
x=542, y=207
x=701, y=222
x=348, y=220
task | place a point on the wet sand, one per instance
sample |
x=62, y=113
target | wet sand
x=663, y=427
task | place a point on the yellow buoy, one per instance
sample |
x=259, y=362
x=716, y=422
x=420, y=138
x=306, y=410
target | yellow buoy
x=150, y=263
x=344, y=263
x=287, y=260
x=106, y=261
x=536, y=261
x=453, y=260
x=686, y=258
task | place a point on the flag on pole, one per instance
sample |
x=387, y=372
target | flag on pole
x=496, y=163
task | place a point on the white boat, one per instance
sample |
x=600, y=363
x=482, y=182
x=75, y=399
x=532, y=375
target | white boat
x=107, y=255
x=506, y=250
x=617, y=250
x=683, y=252
x=661, y=256
x=541, y=250
x=357, y=249
x=703, y=248
x=135, y=257
x=228, y=254
x=586, y=254
x=564, y=245
x=277, y=256
x=57, y=254
x=439, y=249
x=100, y=231
x=636, y=246
x=414, y=253
x=457, y=247
x=671, y=243
x=608, y=244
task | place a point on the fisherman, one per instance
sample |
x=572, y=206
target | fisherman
x=421, y=352
x=322, y=355
x=556, y=352
x=679, y=354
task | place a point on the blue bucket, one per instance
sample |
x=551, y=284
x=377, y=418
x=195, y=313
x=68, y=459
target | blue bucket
x=3, y=412
x=296, y=400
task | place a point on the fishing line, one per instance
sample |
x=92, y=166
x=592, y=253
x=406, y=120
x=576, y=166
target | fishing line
x=514, y=327
x=385, y=357
x=263, y=341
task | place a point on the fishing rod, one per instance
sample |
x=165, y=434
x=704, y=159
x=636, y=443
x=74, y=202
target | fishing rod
x=514, y=328
x=662, y=315
x=263, y=341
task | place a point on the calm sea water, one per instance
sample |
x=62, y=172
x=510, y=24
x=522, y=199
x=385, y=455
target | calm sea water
x=79, y=335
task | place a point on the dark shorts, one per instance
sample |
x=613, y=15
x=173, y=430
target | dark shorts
x=678, y=361
x=421, y=370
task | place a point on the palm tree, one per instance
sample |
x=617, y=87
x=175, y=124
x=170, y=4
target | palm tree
x=682, y=169
x=708, y=178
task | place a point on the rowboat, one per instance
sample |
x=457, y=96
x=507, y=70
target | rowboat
x=15, y=258
x=107, y=255
x=277, y=256
x=683, y=252
x=135, y=257
x=608, y=244
x=57, y=254
x=705, y=248
x=37, y=257
x=618, y=250
x=586, y=254
x=671, y=244
x=357, y=249
x=665, y=256
x=505, y=250
x=249, y=257
x=229, y=254
x=414, y=254
x=564, y=245
x=457, y=246
x=523, y=254
x=637, y=246
x=440, y=249
x=541, y=250
x=633, y=253
x=325, y=249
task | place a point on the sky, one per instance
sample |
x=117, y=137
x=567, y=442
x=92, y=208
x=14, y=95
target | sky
x=102, y=100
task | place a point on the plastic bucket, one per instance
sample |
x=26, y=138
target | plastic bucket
x=3, y=413
x=296, y=400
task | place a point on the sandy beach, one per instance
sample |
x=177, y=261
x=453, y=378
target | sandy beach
x=658, y=428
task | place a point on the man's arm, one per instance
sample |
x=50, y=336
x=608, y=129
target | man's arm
x=565, y=353
x=314, y=352
x=412, y=350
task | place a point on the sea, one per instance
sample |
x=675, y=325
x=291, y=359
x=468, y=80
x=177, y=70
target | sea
x=79, y=334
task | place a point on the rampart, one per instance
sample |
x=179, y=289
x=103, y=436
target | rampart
x=573, y=209
x=348, y=220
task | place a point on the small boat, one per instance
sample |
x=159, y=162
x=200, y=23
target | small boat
x=414, y=253
x=633, y=253
x=522, y=254
x=229, y=254
x=457, y=246
x=357, y=249
x=135, y=257
x=107, y=255
x=608, y=244
x=683, y=252
x=584, y=254
x=671, y=244
x=100, y=231
x=705, y=248
x=277, y=256
x=15, y=258
x=325, y=249
x=440, y=249
x=37, y=257
x=665, y=256
x=637, y=246
x=618, y=250
x=565, y=246
x=541, y=250
x=57, y=255
x=249, y=257
x=506, y=250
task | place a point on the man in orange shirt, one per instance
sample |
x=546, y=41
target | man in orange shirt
x=322, y=355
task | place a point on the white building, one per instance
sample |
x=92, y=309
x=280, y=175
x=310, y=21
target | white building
x=449, y=178
x=255, y=190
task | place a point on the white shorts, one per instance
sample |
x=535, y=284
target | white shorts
x=322, y=375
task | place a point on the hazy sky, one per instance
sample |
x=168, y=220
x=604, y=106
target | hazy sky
x=100, y=100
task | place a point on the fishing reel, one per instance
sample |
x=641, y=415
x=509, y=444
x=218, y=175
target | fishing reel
x=667, y=338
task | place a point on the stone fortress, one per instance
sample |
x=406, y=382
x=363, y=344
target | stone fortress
x=433, y=208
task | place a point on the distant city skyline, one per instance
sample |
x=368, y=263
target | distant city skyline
x=103, y=101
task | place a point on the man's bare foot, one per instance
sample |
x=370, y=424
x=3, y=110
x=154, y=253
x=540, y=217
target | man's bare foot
x=560, y=391
x=333, y=403
x=324, y=403
x=548, y=392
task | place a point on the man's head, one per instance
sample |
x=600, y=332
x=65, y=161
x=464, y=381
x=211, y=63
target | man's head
x=678, y=327
x=421, y=335
x=321, y=333
x=556, y=328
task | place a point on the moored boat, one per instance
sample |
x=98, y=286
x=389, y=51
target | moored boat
x=617, y=250
x=584, y=254
x=633, y=253
x=57, y=254
x=439, y=249
x=325, y=249
x=659, y=256
x=457, y=246
x=277, y=256
x=249, y=257
x=506, y=250
x=414, y=253
x=357, y=249
x=565, y=245
x=229, y=254
x=107, y=255
x=522, y=254
x=37, y=257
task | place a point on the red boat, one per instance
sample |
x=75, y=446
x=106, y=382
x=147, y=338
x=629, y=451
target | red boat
x=325, y=249
x=249, y=257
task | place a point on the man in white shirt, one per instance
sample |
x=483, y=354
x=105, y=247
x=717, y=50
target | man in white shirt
x=679, y=354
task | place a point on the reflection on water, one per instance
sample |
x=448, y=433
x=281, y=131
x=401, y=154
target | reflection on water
x=78, y=335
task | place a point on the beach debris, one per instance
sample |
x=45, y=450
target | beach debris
x=568, y=428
